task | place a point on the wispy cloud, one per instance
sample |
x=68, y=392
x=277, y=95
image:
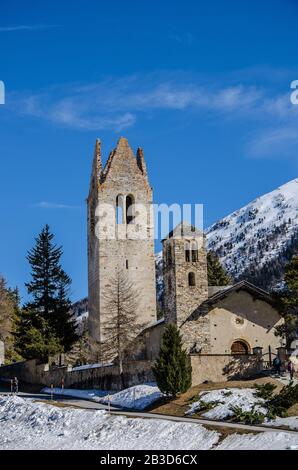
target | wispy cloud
x=279, y=142
x=117, y=104
x=26, y=27
x=53, y=205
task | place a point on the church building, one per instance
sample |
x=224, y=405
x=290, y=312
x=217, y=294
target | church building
x=217, y=323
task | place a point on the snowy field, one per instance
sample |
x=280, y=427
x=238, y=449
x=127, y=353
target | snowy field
x=138, y=397
x=224, y=399
x=25, y=424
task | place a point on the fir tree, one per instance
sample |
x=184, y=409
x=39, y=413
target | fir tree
x=172, y=369
x=45, y=326
x=217, y=276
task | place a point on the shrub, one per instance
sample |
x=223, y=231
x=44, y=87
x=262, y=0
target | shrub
x=264, y=391
x=280, y=403
x=206, y=406
x=247, y=417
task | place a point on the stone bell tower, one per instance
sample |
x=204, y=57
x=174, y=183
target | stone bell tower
x=184, y=272
x=120, y=234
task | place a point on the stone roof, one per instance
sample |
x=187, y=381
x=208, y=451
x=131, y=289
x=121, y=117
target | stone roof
x=185, y=229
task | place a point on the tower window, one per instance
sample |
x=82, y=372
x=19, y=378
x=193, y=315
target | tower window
x=194, y=252
x=119, y=209
x=191, y=279
x=187, y=252
x=126, y=264
x=130, y=209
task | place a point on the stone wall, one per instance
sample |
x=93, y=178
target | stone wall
x=221, y=368
x=104, y=378
x=2, y=352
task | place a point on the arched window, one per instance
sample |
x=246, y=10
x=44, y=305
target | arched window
x=187, y=252
x=194, y=252
x=119, y=209
x=130, y=215
x=191, y=279
x=169, y=254
x=240, y=347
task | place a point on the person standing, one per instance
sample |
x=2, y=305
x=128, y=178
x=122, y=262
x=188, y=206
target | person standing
x=277, y=365
x=15, y=385
x=291, y=369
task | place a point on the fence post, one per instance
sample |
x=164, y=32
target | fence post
x=270, y=357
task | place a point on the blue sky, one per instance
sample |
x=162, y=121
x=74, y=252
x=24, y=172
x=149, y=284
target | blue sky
x=203, y=87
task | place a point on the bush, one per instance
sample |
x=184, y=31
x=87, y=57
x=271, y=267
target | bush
x=206, y=406
x=247, y=417
x=280, y=403
x=264, y=391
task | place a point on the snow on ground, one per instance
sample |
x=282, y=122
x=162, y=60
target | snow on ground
x=25, y=424
x=291, y=422
x=138, y=397
x=90, y=366
x=227, y=398
x=262, y=441
x=93, y=394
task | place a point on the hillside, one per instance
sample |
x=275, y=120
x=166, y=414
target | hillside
x=256, y=241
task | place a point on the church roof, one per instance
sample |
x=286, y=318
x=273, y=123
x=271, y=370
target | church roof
x=184, y=229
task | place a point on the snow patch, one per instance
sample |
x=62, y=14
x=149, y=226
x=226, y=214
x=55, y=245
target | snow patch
x=244, y=398
x=138, y=397
x=264, y=441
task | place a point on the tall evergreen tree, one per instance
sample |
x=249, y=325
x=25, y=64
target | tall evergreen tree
x=172, y=369
x=217, y=275
x=46, y=325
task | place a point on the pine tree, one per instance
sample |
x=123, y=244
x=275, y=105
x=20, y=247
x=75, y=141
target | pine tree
x=172, y=369
x=217, y=276
x=45, y=326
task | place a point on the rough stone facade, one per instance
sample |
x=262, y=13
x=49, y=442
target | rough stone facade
x=185, y=273
x=2, y=352
x=120, y=239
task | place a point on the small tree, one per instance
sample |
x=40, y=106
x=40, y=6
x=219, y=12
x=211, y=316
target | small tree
x=217, y=275
x=121, y=327
x=172, y=369
x=9, y=310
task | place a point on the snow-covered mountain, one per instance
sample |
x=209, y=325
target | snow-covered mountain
x=256, y=241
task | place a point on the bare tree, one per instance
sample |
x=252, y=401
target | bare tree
x=6, y=312
x=121, y=326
